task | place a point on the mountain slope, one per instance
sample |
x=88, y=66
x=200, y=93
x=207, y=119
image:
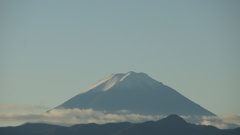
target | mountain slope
x=137, y=93
x=172, y=125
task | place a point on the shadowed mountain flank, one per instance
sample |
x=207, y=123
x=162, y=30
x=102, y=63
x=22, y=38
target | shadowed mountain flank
x=137, y=93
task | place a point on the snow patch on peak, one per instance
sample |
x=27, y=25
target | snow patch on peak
x=111, y=82
x=136, y=76
x=100, y=82
x=131, y=72
x=125, y=76
x=127, y=79
x=106, y=83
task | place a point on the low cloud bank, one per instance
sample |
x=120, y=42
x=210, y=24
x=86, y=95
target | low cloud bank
x=77, y=116
x=69, y=117
x=222, y=121
x=11, y=107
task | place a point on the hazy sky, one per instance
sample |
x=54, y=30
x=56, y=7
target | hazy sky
x=51, y=50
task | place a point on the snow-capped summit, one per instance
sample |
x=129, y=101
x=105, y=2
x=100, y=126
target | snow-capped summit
x=136, y=93
x=127, y=80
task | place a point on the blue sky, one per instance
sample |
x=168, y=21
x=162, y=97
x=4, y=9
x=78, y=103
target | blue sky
x=51, y=50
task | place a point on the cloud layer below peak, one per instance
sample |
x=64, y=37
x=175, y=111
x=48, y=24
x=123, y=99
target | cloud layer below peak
x=69, y=117
x=76, y=116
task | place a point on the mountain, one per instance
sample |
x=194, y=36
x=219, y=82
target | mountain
x=136, y=93
x=171, y=125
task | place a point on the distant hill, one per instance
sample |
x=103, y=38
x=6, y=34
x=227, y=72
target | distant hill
x=171, y=125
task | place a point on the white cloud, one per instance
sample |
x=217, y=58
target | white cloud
x=231, y=118
x=79, y=116
x=122, y=111
x=76, y=116
x=220, y=125
x=222, y=121
x=12, y=107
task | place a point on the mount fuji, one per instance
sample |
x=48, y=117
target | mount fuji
x=136, y=93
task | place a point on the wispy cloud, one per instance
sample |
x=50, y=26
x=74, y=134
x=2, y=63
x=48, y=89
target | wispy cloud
x=222, y=121
x=231, y=118
x=12, y=107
